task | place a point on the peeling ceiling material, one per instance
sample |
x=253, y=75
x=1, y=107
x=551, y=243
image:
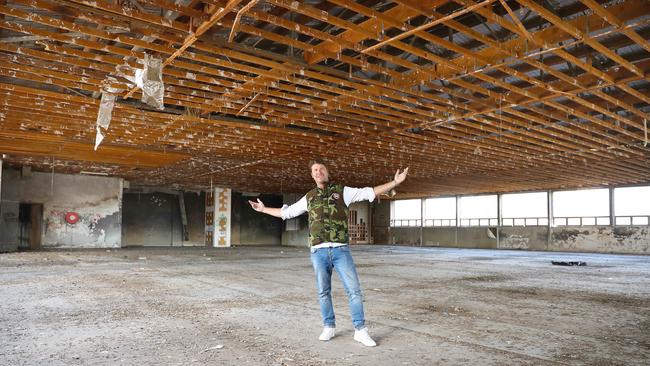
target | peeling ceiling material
x=474, y=96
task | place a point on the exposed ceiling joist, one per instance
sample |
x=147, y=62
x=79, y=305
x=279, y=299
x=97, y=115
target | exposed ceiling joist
x=475, y=96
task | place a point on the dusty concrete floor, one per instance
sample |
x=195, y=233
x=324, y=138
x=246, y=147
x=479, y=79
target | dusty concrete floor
x=257, y=306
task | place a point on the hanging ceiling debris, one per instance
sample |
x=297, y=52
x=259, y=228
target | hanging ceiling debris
x=473, y=96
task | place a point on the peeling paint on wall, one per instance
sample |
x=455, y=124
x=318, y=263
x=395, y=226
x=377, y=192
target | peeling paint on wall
x=516, y=242
x=634, y=239
x=90, y=231
x=97, y=200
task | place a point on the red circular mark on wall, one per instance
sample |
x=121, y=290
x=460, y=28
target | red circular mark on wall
x=72, y=217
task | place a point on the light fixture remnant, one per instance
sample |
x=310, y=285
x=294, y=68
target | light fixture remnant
x=93, y=173
x=104, y=116
x=153, y=89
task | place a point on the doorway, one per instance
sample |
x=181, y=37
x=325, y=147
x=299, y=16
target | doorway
x=30, y=217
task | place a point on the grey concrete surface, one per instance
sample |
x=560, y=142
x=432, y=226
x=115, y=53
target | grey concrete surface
x=257, y=306
x=97, y=200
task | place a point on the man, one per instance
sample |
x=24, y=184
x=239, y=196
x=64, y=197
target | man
x=327, y=205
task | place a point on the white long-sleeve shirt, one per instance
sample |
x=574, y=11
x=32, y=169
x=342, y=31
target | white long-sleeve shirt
x=350, y=196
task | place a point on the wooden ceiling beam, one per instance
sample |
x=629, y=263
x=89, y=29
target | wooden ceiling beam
x=60, y=148
x=129, y=14
x=578, y=34
x=428, y=25
x=194, y=36
x=617, y=23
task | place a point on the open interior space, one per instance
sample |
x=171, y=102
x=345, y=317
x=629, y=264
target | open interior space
x=372, y=182
x=258, y=306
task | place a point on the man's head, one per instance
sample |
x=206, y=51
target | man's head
x=319, y=172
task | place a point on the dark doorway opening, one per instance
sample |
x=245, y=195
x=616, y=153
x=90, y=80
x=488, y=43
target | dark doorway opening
x=30, y=217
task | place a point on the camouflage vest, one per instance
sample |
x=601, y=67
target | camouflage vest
x=328, y=215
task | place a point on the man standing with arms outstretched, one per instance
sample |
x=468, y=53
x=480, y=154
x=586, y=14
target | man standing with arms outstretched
x=327, y=205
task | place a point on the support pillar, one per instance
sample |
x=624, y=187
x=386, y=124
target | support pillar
x=549, y=203
x=499, y=218
x=1, y=157
x=612, y=214
x=218, y=205
x=185, y=235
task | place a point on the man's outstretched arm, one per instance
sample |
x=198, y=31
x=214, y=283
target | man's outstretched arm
x=399, y=178
x=285, y=212
x=259, y=207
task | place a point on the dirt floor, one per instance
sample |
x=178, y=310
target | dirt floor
x=257, y=306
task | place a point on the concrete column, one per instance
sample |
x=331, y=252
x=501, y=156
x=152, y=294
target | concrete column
x=1, y=157
x=549, y=214
x=422, y=200
x=612, y=214
x=457, y=220
x=499, y=216
x=218, y=217
x=185, y=234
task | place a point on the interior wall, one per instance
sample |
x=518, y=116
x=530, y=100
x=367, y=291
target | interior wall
x=151, y=219
x=381, y=231
x=97, y=200
x=618, y=239
x=295, y=233
x=598, y=239
x=8, y=231
x=527, y=238
x=9, y=226
x=195, y=211
x=250, y=227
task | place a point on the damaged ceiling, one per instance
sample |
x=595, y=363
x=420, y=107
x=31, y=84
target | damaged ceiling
x=473, y=96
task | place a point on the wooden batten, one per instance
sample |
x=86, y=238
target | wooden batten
x=474, y=96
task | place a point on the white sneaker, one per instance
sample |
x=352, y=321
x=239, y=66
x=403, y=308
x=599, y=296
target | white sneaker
x=363, y=337
x=327, y=334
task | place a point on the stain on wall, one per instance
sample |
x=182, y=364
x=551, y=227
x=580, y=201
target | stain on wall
x=9, y=226
x=151, y=219
x=476, y=237
x=381, y=231
x=439, y=236
x=251, y=227
x=603, y=239
x=404, y=236
x=526, y=238
x=633, y=239
x=195, y=211
x=97, y=200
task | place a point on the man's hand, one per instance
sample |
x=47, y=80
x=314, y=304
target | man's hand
x=390, y=186
x=257, y=206
x=400, y=177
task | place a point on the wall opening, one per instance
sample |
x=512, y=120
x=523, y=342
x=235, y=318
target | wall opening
x=30, y=218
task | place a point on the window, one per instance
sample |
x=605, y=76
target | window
x=524, y=209
x=632, y=205
x=478, y=210
x=440, y=211
x=406, y=212
x=583, y=207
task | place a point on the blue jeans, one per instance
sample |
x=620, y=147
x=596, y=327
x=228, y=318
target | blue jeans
x=339, y=259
